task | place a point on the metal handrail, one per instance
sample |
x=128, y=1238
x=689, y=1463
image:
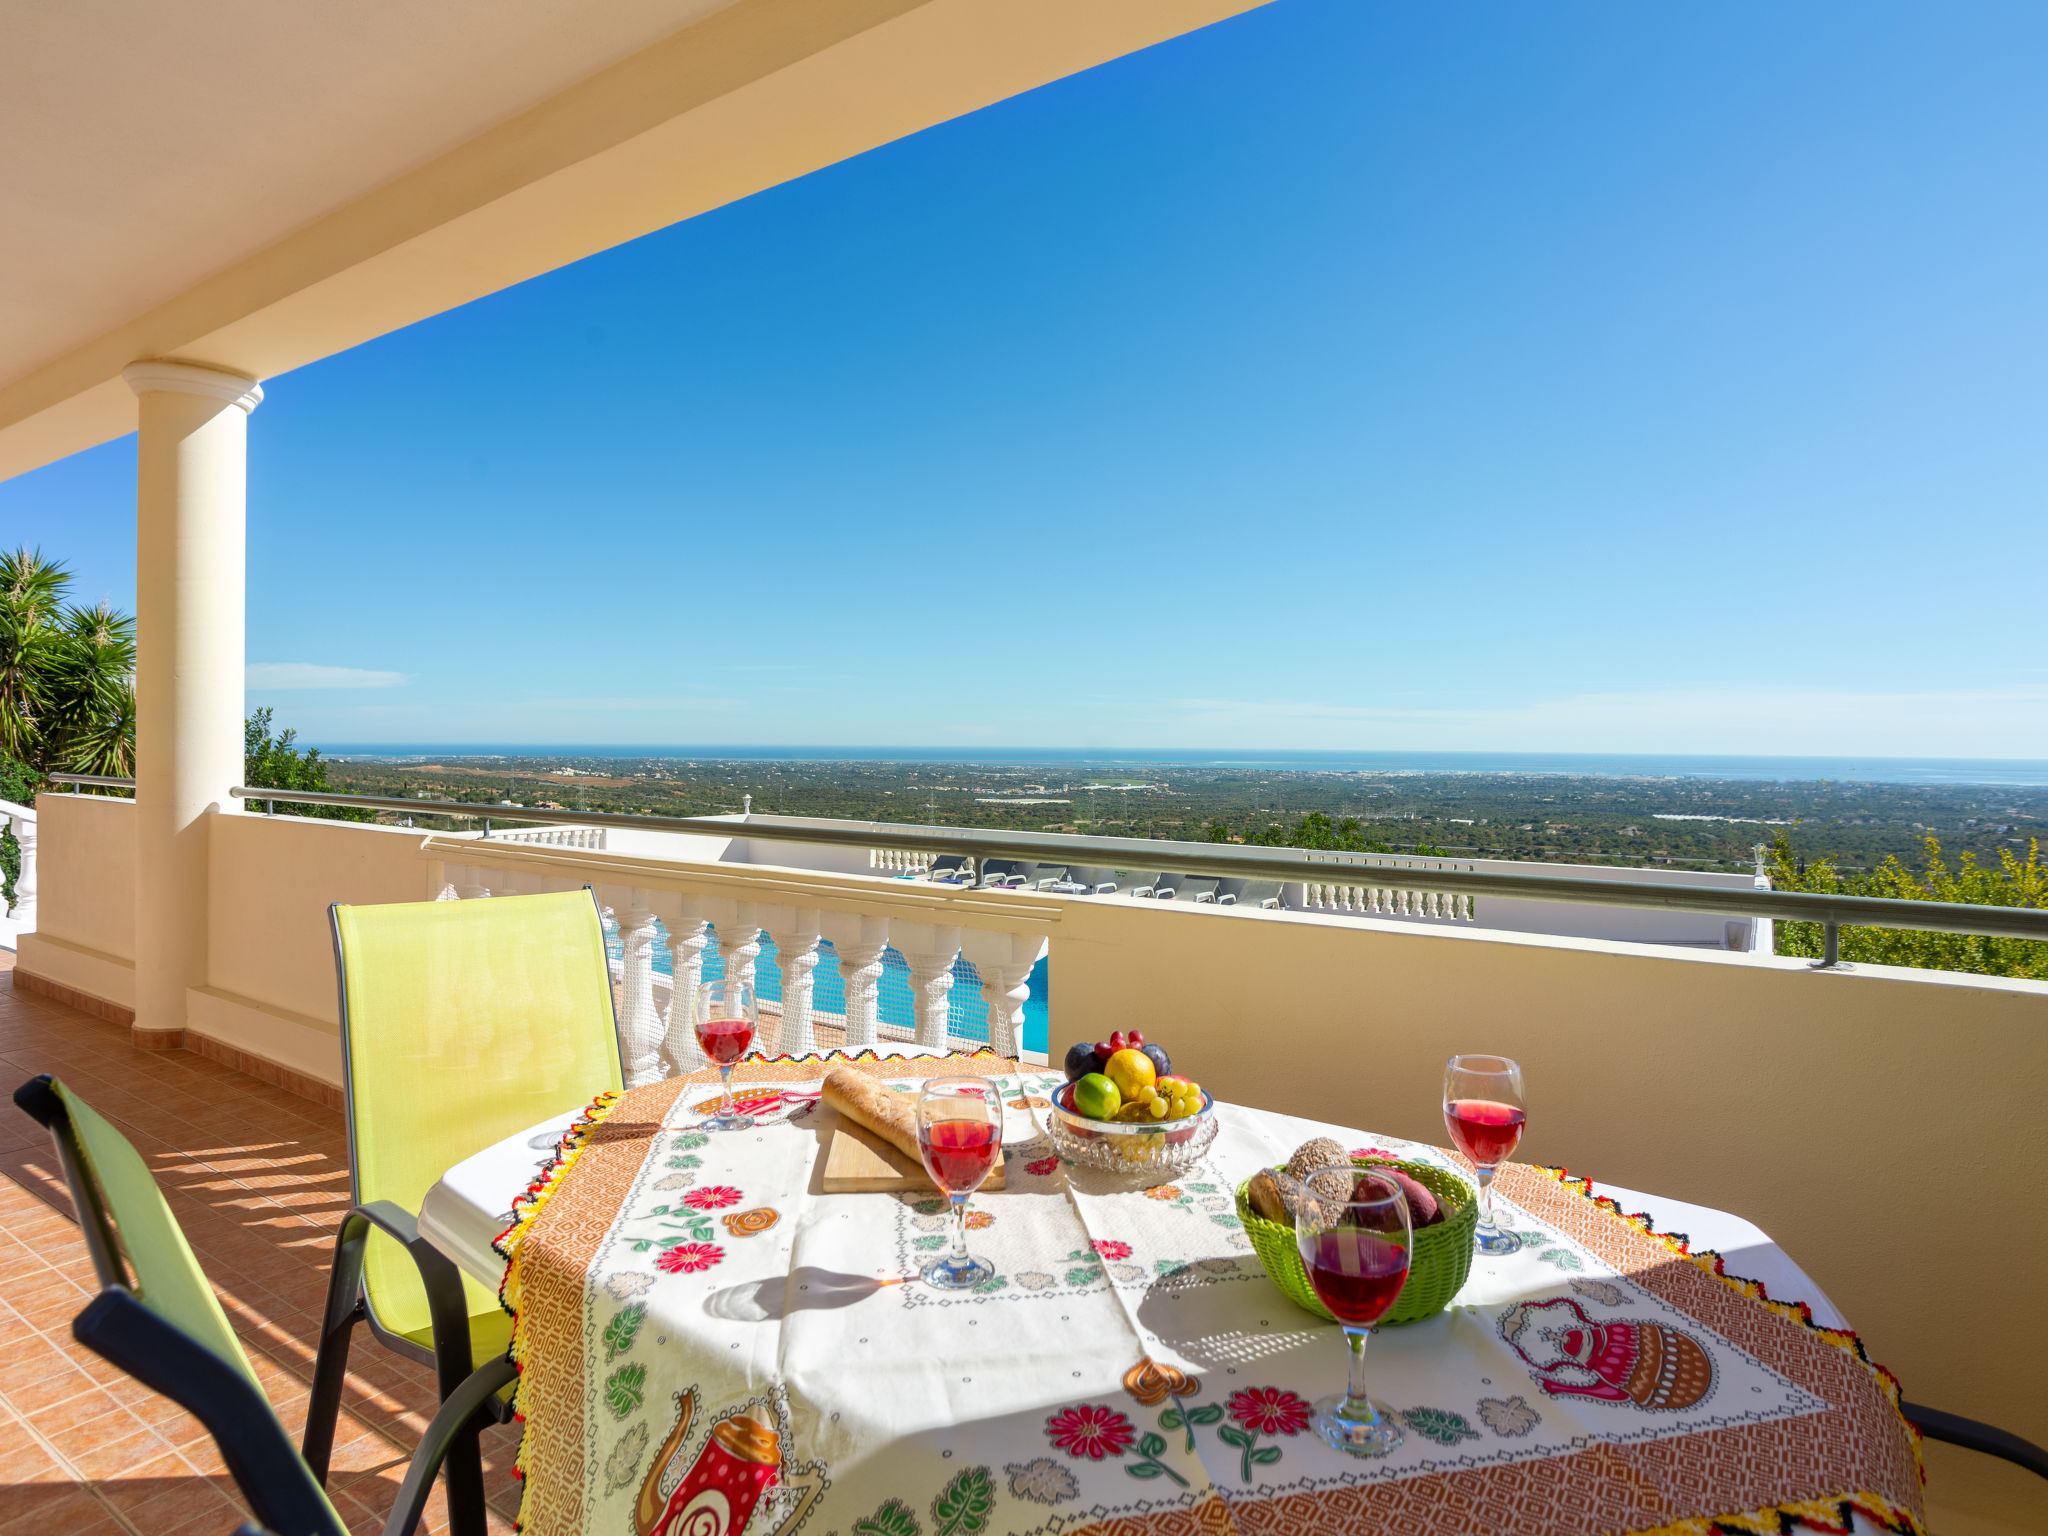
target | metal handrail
x=1285, y=864
x=98, y=779
x=1832, y=912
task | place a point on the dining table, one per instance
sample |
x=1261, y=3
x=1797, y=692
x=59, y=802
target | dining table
x=710, y=1343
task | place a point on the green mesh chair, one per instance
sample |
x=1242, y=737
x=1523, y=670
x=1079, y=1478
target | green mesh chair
x=462, y=1023
x=156, y=1317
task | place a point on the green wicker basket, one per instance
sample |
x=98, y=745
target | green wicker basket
x=1437, y=1269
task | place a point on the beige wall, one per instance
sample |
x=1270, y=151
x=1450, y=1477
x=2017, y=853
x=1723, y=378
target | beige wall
x=1879, y=1124
x=270, y=954
x=85, y=896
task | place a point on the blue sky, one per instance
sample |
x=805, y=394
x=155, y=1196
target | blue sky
x=1348, y=375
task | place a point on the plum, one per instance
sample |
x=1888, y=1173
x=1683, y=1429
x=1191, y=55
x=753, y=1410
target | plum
x=1162, y=1064
x=1081, y=1060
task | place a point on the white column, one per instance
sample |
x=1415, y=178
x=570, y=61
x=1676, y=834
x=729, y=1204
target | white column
x=191, y=473
x=859, y=941
x=739, y=944
x=797, y=948
x=639, y=1023
x=686, y=941
x=24, y=909
x=929, y=950
x=1004, y=961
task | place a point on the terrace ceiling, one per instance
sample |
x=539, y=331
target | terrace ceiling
x=256, y=184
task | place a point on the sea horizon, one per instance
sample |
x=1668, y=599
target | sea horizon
x=1992, y=772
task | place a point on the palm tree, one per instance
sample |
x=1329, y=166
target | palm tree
x=67, y=674
x=30, y=590
x=92, y=721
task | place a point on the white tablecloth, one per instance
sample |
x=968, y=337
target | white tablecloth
x=464, y=1213
x=469, y=1208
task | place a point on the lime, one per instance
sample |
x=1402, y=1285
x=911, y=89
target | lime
x=1096, y=1097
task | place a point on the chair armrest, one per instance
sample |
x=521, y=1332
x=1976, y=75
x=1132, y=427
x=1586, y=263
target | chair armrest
x=446, y=1304
x=460, y=1406
x=1974, y=1435
x=391, y=1219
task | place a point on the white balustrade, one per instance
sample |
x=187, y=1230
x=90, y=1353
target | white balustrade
x=556, y=837
x=640, y=1026
x=21, y=820
x=687, y=936
x=859, y=940
x=899, y=861
x=796, y=947
x=1386, y=901
x=699, y=905
x=739, y=942
x=1004, y=962
x=929, y=950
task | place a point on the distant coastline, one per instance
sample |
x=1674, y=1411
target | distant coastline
x=1643, y=765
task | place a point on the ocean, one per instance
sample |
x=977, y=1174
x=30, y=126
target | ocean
x=1876, y=770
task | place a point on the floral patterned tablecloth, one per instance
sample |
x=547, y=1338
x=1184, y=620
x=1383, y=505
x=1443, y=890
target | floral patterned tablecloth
x=686, y=1301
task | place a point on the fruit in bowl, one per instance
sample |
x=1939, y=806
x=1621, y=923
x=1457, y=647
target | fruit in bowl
x=1096, y=1097
x=1093, y=1056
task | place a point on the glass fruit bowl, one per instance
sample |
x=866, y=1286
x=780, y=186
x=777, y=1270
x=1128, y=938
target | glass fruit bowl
x=1138, y=1154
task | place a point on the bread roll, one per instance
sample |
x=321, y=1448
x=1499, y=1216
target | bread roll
x=875, y=1107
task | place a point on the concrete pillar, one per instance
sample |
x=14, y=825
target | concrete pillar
x=190, y=548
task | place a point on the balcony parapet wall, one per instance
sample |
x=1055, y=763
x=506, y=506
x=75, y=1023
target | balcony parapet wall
x=1814, y=1103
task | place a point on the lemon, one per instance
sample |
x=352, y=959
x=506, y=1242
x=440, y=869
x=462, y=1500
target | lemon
x=1131, y=1071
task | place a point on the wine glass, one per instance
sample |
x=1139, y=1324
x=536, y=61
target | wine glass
x=1484, y=1110
x=960, y=1135
x=1355, y=1243
x=725, y=1020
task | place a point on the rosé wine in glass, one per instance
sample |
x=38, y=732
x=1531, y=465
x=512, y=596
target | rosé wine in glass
x=725, y=1041
x=960, y=1135
x=959, y=1154
x=1356, y=1244
x=725, y=1019
x=1485, y=1132
x=1485, y=1111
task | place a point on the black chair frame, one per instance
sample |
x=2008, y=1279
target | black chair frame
x=281, y=1487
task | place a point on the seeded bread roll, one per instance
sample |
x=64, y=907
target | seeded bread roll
x=875, y=1107
x=1313, y=1156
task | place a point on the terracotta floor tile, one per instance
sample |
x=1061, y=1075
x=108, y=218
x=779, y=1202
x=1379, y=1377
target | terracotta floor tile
x=111, y=1448
x=57, y=1383
x=259, y=1179
x=58, y=1507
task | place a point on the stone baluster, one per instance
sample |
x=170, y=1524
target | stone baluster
x=24, y=909
x=929, y=950
x=1004, y=961
x=469, y=881
x=739, y=944
x=797, y=948
x=640, y=1028
x=687, y=938
x=859, y=941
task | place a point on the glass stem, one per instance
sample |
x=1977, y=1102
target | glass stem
x=959, y=1254
x=725, y=1080
x=1486, y=1197
x=1357, y=1406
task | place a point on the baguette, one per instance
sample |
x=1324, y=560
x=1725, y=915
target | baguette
x=875, y=1108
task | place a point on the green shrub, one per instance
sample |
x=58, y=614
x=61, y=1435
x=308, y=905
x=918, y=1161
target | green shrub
x=274, y=762
x=2015, y=883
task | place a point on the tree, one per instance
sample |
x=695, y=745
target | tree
x=17, y=783
x=67, y=674
x=275, y=762
x=2015, y=883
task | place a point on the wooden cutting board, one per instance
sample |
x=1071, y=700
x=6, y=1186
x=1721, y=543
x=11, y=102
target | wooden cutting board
x=858, y=1164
